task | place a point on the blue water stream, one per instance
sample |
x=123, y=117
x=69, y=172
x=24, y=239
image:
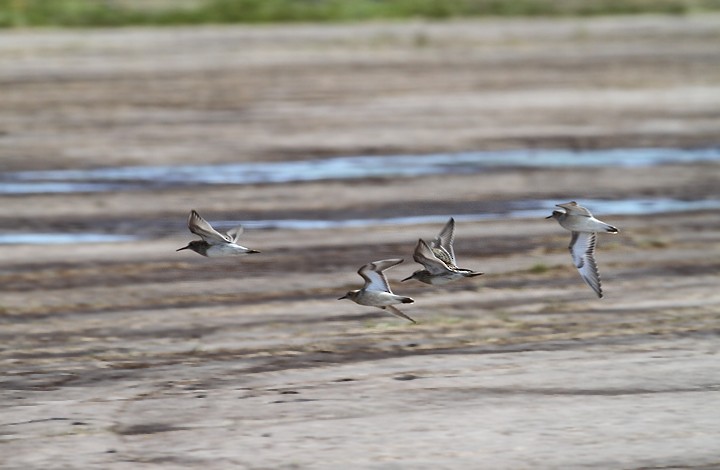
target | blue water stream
x=340, y=168
x=345, y=168
x=513, y=210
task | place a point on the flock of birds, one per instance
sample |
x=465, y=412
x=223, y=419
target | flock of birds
x=437, y=257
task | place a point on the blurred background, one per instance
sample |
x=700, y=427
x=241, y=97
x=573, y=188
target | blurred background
x=169, y=12
x=240, y=92
x=338, y=133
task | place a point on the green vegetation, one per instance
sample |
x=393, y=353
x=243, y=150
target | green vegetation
x=539, y=268
x=18, y=13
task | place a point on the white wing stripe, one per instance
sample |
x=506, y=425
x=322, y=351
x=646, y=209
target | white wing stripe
x=582, y=249
x=375, y=280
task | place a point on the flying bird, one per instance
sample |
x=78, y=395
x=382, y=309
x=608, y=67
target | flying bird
x=214, y=244
x=376, y=291
x=438, y=259
x=584, y=228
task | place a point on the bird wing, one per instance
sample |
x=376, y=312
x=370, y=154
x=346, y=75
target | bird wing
x=445, y=257
x=582, y=250
x=235, y=232
x=396, y=311
x=204, y=230
x=424, y=255
x=445, y=240
x=375, y=280
x=573, y=208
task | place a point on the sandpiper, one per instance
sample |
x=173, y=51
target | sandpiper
x=584, y=228
x=439, y=259
x=376, y=291
x=214, y=244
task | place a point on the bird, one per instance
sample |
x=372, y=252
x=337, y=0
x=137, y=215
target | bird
x=439, y=259
x=376, y=291
x=584, y=228
x=214, y=244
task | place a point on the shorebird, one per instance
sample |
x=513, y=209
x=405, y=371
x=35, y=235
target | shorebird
x=439, y=259
x=214, y=244
x=376, y=291
x=584, y=228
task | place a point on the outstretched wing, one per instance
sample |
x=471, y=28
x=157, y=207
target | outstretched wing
x=204, y=230
x=574, y=208
x=582, y=249
x=235, y=232
x=395, y=311
x=424, y=255
x=375, y=280
x=445, y=240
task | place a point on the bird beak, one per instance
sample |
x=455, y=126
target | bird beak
x=407, y=278
x=549, y=217
x=183, y=248
x=253, y=251
x=343, y=297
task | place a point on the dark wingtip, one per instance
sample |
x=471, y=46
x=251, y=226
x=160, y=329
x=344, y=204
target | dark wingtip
x=612, y=230
x=254, y=251
x=407, y=300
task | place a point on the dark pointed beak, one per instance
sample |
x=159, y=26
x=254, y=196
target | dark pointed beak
x=253, y=251
x=343, y=297
x=407, y=278
x=549, y=217
x=183, y=248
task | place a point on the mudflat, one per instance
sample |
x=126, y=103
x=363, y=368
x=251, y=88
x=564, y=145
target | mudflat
x=131, y=355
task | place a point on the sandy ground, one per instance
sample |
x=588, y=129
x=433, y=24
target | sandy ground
x=130, y=355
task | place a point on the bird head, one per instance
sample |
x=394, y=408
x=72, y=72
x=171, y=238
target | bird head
x=415, y=275
x=349, y=295
x=556, y=215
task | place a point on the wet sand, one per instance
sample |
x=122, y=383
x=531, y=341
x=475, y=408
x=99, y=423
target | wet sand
x=130, y=355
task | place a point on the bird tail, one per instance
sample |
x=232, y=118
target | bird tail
x=473, y=274
x=610, y=229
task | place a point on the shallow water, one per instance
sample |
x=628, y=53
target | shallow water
x=132, y=178
x=55, y=187
x=511, y=210
x=59, y=238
